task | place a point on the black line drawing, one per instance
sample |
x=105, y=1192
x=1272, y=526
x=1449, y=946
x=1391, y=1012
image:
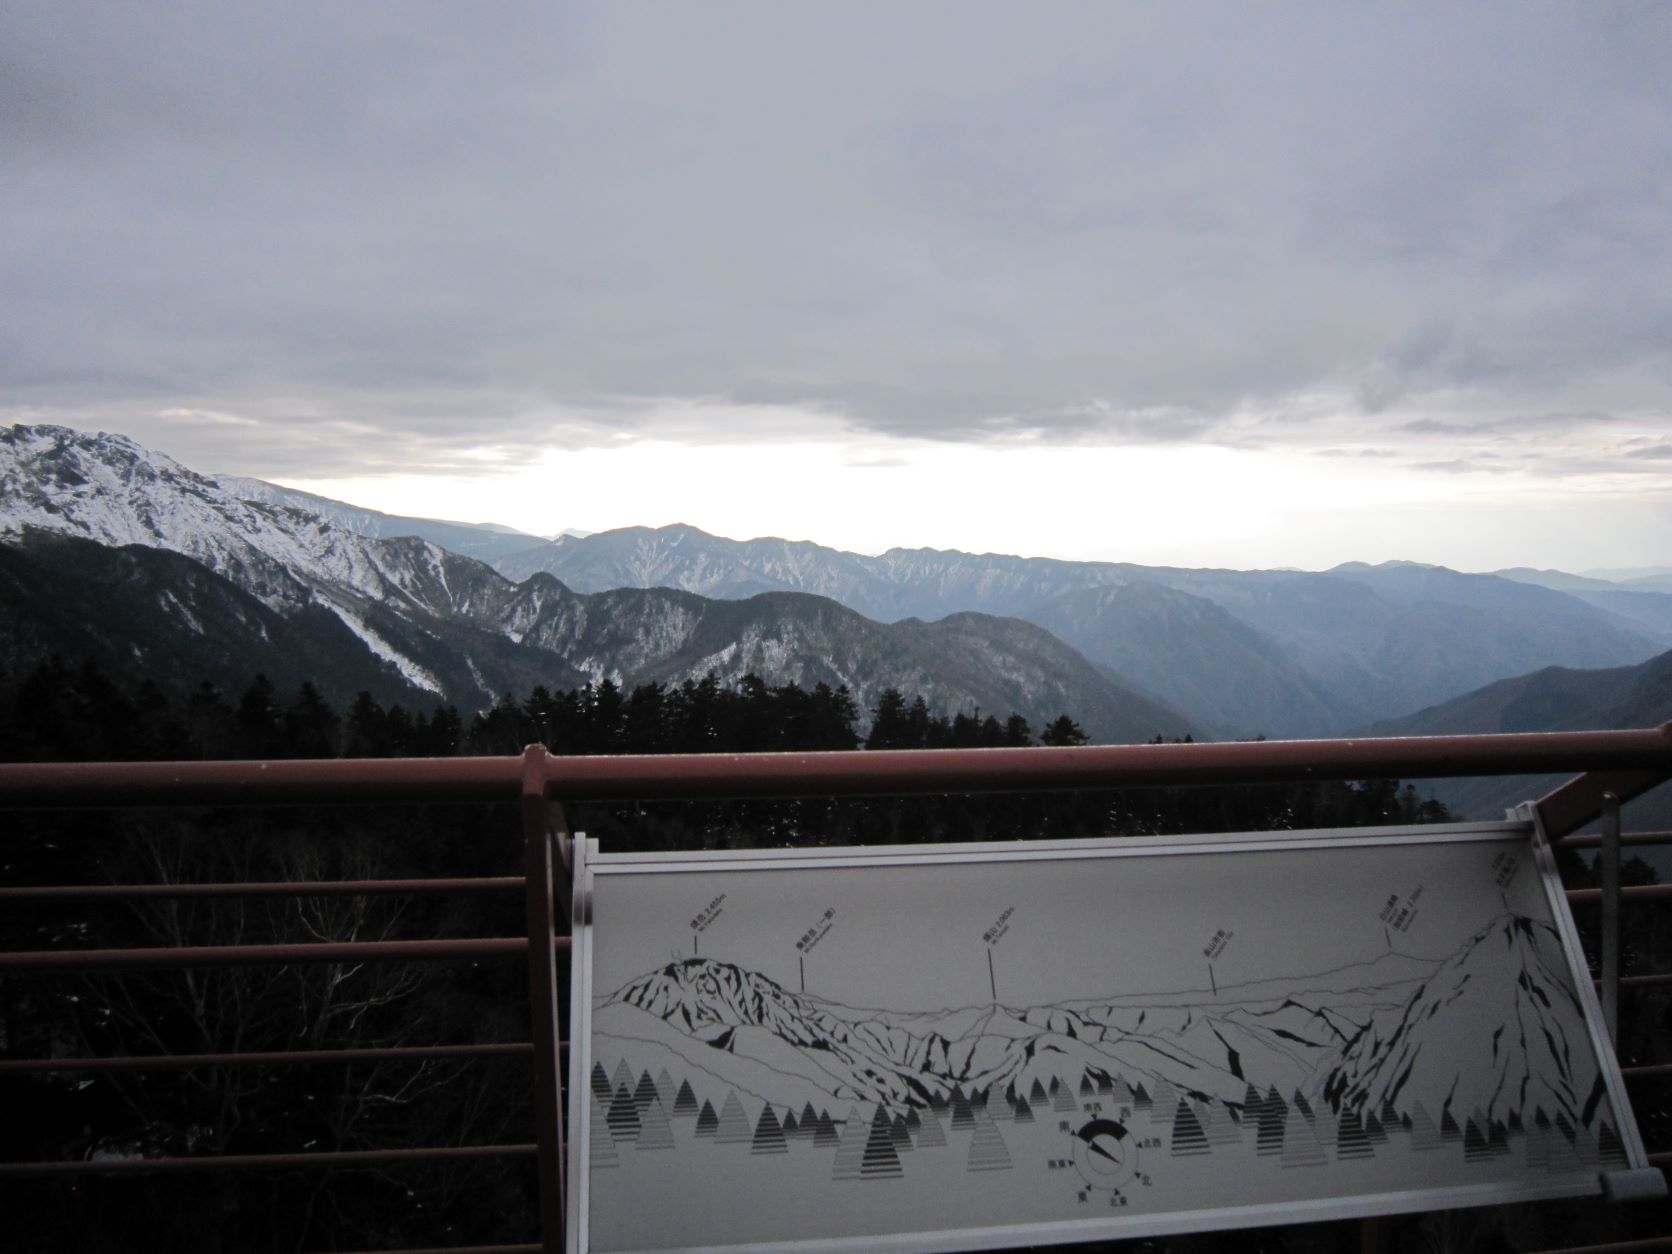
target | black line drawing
x=1489, y=1038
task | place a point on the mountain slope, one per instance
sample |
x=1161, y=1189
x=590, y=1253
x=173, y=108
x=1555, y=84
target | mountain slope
x=691, y=560
x=487, y=542
x=962, y=663
x=1457, y=631
x=1209, y=661
x=449, y=627
x=1316, y=654
x=1552, y=699
x=178, y=623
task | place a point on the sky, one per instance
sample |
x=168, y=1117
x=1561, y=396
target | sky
x=1208, y=284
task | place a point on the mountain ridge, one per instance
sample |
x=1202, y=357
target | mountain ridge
x=1320, y=653
x=451, y=627
x=1552, y=698
x=1212, y=652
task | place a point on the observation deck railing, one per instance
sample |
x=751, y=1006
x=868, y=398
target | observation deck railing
x=1612, y=766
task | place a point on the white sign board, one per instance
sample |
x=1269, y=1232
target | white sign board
x=965, y=1046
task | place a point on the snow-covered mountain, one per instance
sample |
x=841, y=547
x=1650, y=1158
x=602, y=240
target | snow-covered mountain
x=441, y=625
x=1238, y=652
x=486, y=542
x=108, y=489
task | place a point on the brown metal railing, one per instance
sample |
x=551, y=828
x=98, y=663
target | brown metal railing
x=1622, y=763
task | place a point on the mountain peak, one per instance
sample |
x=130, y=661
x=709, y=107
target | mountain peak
x=1392, y=564
x=1503, y=998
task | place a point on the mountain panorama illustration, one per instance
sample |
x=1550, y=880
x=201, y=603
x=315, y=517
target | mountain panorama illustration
x=1447, y=1055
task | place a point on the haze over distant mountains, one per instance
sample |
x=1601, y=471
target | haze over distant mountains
x=1280, y=653
x=127, y=554
x=1555, y=698
x=465, y=612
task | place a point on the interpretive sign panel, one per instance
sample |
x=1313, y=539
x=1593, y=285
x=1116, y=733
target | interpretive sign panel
x=960, y=1046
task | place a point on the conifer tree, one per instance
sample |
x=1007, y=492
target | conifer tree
x=889, y=728
x=645, y=724
x=311, y=727
x=1063, y=731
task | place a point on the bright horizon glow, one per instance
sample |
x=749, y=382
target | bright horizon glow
x=1173, y=505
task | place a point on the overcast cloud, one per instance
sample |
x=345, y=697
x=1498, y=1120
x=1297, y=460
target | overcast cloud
x=291, y=238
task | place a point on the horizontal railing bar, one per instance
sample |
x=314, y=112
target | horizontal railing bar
x=289, y=888
x=257, y=955
x=474, y=884
x=237, y=1162
x=296, y=781
x=464, y=885
x=467, y=1249
x=1632, y=892
x=268, y=1058
x=391, y=1053
x=903, y=771
x=1619, y=1247
x=1591, y=840
x=1646, y=981
x=868, y=772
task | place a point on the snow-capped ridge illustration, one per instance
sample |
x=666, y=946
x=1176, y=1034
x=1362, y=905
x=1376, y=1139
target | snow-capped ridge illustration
x=1366, y=1050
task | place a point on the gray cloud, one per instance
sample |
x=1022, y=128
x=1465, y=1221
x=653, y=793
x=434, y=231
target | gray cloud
x=1479, y=464
x=391, y=231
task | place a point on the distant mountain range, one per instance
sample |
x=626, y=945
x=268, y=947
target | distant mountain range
x=428, y=609
x=1645, y=599
x=127, y=554
x=1282, y=653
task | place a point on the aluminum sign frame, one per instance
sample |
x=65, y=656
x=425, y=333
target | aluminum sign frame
x=952, y=1047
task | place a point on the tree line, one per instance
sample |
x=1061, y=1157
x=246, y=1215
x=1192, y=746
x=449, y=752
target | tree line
x=71, y=712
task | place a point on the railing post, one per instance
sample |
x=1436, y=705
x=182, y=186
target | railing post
x=538, y=845
x=1608, y=868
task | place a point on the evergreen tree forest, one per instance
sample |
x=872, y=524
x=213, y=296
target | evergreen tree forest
x=62, y=711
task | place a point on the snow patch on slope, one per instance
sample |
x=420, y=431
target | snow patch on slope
x=414, y=673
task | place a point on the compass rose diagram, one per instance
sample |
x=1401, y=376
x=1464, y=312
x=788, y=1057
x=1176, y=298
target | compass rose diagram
x=1106, y=1150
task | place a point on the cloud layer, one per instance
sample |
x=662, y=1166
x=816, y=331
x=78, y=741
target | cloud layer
x=398, y=234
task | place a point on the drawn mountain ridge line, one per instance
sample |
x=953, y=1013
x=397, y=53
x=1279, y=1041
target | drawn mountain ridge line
x=763, y=1094
x=1366, y=1049
x=1379, y=974
x=1394, y=967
